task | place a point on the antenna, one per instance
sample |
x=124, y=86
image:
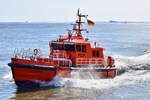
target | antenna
x=79, y=23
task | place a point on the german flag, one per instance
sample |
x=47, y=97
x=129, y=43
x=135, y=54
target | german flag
x=90, y=23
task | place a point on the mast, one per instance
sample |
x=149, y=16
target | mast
x=79, y=23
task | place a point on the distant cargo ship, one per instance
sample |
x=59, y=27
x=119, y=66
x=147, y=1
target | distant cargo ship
x=112, y=21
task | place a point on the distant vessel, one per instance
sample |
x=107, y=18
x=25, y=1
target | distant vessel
x=69, y=53
x=112, y=21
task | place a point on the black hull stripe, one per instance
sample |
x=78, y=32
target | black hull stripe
x=94, y=69
x=19, y=65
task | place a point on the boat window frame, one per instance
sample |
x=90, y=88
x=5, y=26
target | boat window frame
x=78, y=47
x=57, y=46
x=54, y=46
x=68, y=48
x=60, y=47
x=95, y=53
x=83, y=48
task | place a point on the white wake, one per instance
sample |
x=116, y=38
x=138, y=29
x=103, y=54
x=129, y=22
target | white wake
x=136, y=71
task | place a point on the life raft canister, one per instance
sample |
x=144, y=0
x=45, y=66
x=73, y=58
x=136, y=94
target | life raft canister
x=110, y=61
x=36, y=52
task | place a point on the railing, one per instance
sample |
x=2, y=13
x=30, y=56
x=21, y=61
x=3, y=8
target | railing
x=60, y=54
x=61, y=58
x=26, y=53
x=90, y=61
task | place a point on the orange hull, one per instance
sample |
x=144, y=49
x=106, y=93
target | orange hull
x=105, y=74
x=25, y=74
x=98, y=72
x=63, y=71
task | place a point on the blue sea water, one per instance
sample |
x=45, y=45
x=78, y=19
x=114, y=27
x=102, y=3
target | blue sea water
x=128, y=43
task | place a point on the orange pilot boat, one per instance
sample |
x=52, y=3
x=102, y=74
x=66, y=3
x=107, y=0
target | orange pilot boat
x=69, y=53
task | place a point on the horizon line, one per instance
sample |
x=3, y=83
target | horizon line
x=108, y=21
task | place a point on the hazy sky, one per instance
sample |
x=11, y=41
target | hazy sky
x=65, y=10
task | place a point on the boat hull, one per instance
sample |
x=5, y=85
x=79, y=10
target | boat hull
x=105, y=74
x=27, y=75
x=109, y=72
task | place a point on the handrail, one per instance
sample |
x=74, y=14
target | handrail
x=59, y=54
x=25, y=53
x=85, y=61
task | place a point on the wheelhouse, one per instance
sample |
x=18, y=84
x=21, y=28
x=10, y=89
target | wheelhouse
x=81, y=50
x=68, y=46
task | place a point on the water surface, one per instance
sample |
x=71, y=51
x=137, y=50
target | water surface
x=128, y=43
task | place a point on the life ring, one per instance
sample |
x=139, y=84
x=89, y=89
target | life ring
x=36, y=51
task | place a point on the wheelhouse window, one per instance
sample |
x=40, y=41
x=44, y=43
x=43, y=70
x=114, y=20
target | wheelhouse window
x=60, y=46
x=78, y=47
x=69, y=47
x=95, y=53
x=83, y=48
x=54, y=46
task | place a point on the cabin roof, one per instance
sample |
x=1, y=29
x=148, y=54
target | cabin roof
x=73, y=39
